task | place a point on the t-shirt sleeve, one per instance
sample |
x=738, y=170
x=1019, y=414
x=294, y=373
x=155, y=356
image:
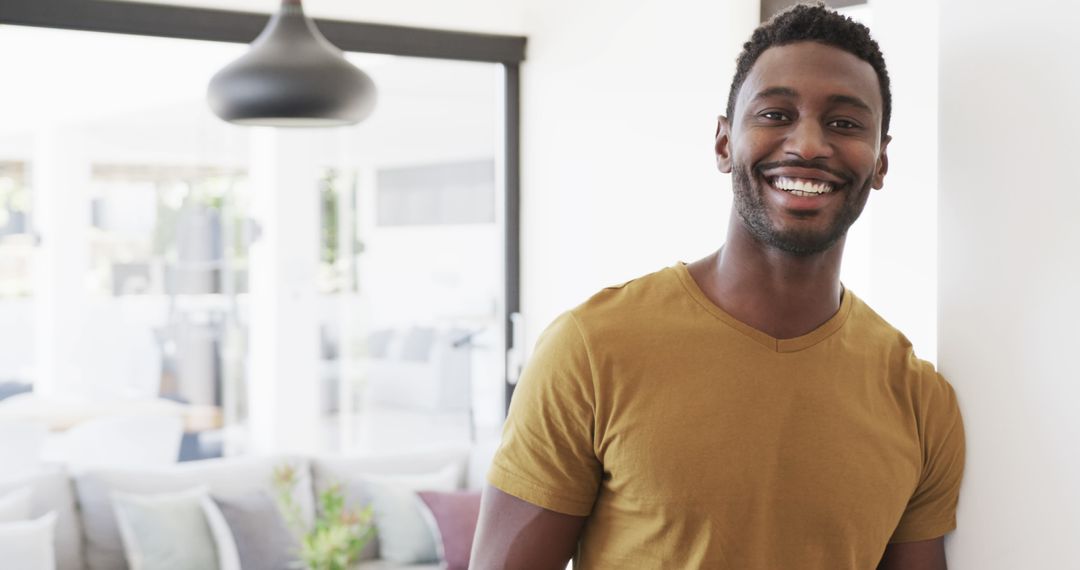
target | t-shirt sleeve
x=931, y=511
x=547, y=456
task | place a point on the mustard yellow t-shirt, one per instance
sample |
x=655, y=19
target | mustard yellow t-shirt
x=692, y=440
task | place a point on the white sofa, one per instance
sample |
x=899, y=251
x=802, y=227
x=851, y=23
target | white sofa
x=87, y=535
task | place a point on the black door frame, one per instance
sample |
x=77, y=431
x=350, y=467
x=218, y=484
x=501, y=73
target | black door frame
x=180, y=22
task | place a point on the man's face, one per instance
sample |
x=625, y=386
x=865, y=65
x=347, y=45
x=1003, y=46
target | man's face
x=804, y=145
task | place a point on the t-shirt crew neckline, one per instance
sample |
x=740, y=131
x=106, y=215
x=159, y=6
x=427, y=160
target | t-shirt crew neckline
x=777, y=344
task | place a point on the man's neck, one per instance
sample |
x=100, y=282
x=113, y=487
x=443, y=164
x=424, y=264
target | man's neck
x=778, y=293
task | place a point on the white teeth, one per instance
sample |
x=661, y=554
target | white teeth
x=802, y=187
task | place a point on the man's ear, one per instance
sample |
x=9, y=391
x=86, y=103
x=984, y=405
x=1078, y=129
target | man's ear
x=882, y=164
x=723, y=144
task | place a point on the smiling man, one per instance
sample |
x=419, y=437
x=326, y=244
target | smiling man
x=744, y=411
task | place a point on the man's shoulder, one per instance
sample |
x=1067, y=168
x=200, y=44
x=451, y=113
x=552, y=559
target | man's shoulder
x=876, y=333
x=631, y=300
x=873, y=328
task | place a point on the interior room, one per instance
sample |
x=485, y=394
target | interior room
x=206, y=323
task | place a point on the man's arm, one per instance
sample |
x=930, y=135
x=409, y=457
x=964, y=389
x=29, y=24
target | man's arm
x=919, y=555
x=516, y=534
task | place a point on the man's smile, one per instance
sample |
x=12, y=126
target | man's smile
x=801, y=181
x=803, y=192
x=801, y=186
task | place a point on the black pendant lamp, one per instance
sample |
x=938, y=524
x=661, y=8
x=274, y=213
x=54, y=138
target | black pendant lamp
x=291, y=77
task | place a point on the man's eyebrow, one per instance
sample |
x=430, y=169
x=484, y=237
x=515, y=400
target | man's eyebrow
x=850, y=100
x=776, y=92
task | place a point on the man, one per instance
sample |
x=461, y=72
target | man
x=744, y=411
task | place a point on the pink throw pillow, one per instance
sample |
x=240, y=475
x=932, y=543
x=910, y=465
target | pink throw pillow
x=455, y=514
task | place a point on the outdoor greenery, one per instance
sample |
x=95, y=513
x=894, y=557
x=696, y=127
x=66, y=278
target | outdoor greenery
x=328, y=204
x=14, y=198
x=337, y=198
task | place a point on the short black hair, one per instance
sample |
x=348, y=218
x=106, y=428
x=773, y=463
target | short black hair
x=814, y=23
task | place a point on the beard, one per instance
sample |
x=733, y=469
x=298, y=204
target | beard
x=750, y=205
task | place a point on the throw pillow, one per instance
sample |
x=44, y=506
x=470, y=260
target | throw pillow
x=455, y=514
x=404, y=535
x=16, y=505
x=28, y=545
x=167, y=531
x=263, y=540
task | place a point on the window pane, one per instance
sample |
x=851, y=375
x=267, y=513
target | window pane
x=335, y=289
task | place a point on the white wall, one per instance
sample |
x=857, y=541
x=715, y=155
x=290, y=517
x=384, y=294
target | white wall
x=1009, y=276
x=620, y=99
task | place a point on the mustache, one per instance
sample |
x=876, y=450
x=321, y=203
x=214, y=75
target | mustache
x=802, y=164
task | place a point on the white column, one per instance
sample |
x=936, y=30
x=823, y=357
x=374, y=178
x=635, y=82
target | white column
x=60, y=182
x=284, y=373
x=1010, y=275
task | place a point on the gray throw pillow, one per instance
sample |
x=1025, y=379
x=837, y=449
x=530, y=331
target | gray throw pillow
x=263, y=540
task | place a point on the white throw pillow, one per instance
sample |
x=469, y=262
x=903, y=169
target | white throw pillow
x=16, y=505
x=404, y=533
x=167, y=531
x=28, y=545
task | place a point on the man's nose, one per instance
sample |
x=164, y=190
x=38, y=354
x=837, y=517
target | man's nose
x=808, y=140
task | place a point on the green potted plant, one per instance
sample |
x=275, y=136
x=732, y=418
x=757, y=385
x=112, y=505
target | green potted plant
x=339, y=534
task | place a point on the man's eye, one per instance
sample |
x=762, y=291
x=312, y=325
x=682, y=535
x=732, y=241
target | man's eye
x=844, y=124
x=775, y=115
